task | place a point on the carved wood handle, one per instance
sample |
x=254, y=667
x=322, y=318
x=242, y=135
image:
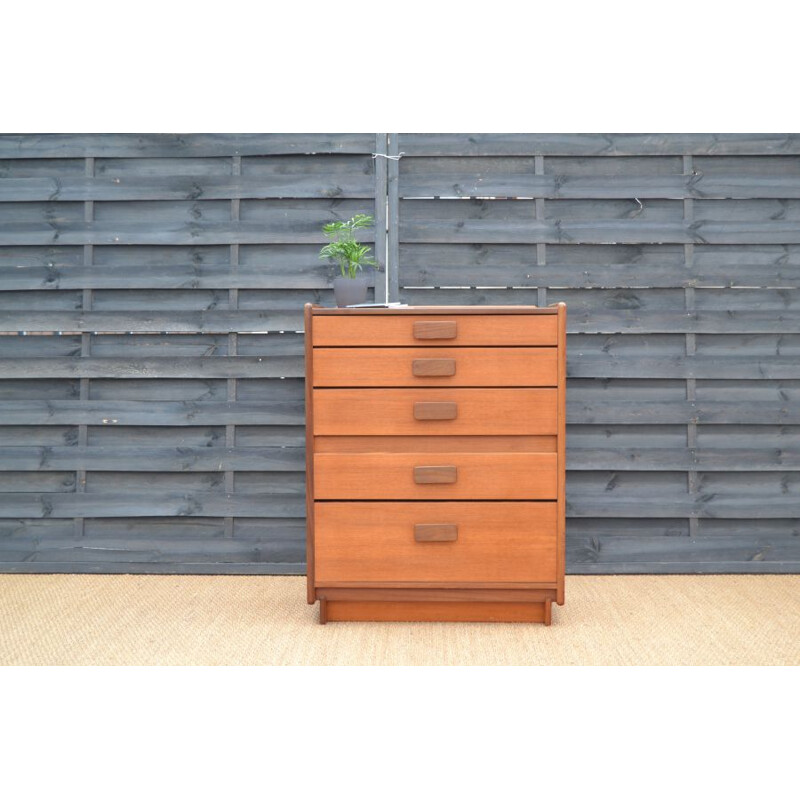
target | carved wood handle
x=435, y=411
x=436, y=329
x=446, y=474
x=435, y=533
x=433, y=367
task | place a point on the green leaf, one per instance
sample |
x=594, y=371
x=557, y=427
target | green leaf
x=350, y=254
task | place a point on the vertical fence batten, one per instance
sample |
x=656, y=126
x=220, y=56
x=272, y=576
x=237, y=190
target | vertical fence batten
x=152, y=420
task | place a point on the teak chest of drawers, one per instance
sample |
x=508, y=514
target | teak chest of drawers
x=435, y=462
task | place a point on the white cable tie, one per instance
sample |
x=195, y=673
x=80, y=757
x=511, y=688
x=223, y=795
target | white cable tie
x=393, y=158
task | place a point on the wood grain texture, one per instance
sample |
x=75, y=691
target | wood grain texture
x=435, y=474
x=48, y=458
x=597, y=144
x=396, y=330
x=375, y=412
x=368, y=541
x=560, y=472
x=352, y=183
x=381, y=176
x=152, y=502
x=441, y=594
x=400, y=611
x=432, y=444
x=474, y=476
x=124, y=368
x=292, y=266
x=628, y=266
x=610, y=222
x=440, y=366
x=167, y=145
x=472, y=181
x=437, y=410
x=430, y=475
x=168, y=321
x=106, y=413
x=434, y=329
x=433, y=367
x=436, y=533
x=309, y=419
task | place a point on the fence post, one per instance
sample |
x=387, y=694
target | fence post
x=393, y=211
x=381, y=270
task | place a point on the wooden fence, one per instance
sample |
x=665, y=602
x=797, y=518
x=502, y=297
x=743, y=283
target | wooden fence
x=679, y=259
x=161, y=429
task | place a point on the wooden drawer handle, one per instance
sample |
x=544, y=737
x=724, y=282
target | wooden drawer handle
x=433, y=367
x=448, y=474
x=436, y=329
x=435, y=410
x=435, y=533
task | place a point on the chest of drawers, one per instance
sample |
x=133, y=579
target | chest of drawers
x=435, y=462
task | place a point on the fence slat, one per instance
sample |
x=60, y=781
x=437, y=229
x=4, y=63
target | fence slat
x=730, y=367
x=124, y=503
x=598, y=144
x=716, y=506
x=192, y=145
x=598, y=266
x=469, y=184
x=683, y=412
x=657, y=459
x=182, y=187
x=91, y=367
x=151, y=412
x=298, y=268
x=153, y=459
x=241, y=321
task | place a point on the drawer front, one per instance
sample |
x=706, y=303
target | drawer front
x=434, y=412
x=436, y=366
x=434, y=330
x=435, y=476
x=443, y=542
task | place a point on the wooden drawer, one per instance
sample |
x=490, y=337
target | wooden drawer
x=434, y=412
x=435, y=476
x=436, y=366
x=495, y=542
x=406, y=330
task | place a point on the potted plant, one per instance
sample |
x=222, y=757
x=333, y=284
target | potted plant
x=349, y=288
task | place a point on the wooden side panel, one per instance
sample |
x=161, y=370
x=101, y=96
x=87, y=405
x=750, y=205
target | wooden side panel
x=477, y=476
x=562, y=456
x=435, y=366
x=497, y=541
x=382, y=412
x=309, y=351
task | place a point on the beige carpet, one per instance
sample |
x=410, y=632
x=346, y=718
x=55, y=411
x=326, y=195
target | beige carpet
x=130, y=619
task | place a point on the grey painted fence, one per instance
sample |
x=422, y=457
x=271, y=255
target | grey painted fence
x=162, y=428
x=679, y=259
